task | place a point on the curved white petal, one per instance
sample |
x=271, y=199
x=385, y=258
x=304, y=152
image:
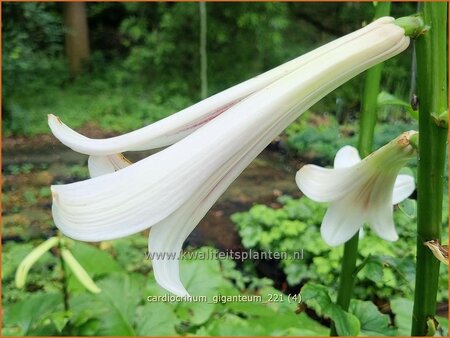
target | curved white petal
x=177, y=126
x=102, y=165
x=342, y=221
x=123, y=202
x=327, y=185
x=382, y=223
x=147, y=192
x=381, y=212
x=156, y=135
x=403, y=188
x=346, y=157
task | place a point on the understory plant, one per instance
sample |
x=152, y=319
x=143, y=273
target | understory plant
x=127, y=302
x=386, y=268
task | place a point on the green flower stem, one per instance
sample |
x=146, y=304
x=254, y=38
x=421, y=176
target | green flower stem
x=368, y=120
x=64, y=282
x=431, y=49
x=369, y=105
x=347, y=276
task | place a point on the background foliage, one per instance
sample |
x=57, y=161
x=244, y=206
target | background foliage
x=144, y=63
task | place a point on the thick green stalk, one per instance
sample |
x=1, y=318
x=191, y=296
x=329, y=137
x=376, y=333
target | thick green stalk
x=431, y=49
x=368, y=120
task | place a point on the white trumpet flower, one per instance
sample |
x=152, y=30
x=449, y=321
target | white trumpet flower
x=360, y=191
x=173, y=189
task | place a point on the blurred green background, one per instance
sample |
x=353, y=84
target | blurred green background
x=142, y=64
x=144, y=60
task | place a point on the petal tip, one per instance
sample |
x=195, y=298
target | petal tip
x=54, y=195
x=392, y=237
x=53, y=118
x=347, y=156
x=332, y=241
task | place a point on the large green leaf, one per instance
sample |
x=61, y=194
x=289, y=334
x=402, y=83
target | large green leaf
x=87, y=310
x=402, y=309
x=316, y=297
x=201, y=278
x=156, y=319
x=21, y=318
x=373, y=323
x=120, y=295
x=95, y=261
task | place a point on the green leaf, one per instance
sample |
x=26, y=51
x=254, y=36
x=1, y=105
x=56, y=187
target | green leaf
x=316, y=297
x=385, y=98
x=373, y=270
x=232, y=325
x=95, y=261
x=250, y=309
x=402, y=309
x=196, y=313
x=269, y=292
x=87, y=310
x=202, y=277
x=21, y=317
x=289, y=323
x=121, y=295
x=373, y=323
x=156, y=319
x=60, y=319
